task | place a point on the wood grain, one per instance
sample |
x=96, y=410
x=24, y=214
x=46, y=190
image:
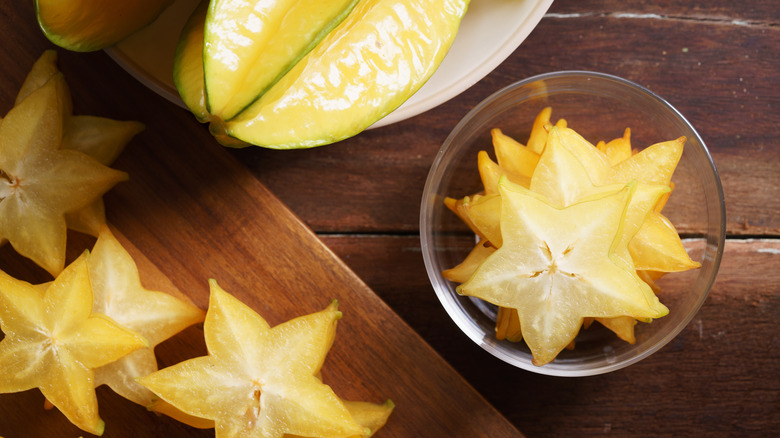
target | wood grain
x=716, y=379
x=715, y=61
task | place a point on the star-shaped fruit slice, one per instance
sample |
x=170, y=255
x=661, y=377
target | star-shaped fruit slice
x=257, y=380
x=371, y=416
x=562, y=178
x=555, y=274
x=99, y=137
x=157, y=316
x=53, y=342
x=40, y=182
x=656, y=246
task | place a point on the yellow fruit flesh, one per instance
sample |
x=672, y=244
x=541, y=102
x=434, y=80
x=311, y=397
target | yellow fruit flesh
x=258, y=380
x=571, y=170
x=362, y=70
x=554, y=275
x=41, y=182
x=88, y=25
x=250, y=44
x=157, y=316
x=512, y=155
x=53, y=341
x=188, y=64
x=101, y=138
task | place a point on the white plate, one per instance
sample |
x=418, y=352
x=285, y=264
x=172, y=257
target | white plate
x=489, y=33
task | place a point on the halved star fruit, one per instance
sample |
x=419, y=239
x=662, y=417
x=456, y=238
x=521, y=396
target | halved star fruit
x=54, y=342
x=288, y=74
x=259, y=380
x=89, y=25
x=554, y=274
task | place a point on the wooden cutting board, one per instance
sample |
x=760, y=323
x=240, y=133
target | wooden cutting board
x=191, y=212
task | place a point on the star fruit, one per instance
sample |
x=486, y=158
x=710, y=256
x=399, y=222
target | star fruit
x=99, y=137
x=297, y=74
x=41, y=182
x=156, y=316
x=554, y=275
x=656, y=246
x=54, y=342
x=565, y=178
x=258, y=380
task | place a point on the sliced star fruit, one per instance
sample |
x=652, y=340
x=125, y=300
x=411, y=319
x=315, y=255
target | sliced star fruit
x=653, y=165
x=569, y=170
x=40, y=182
x=333, y=69
x=54, y=342
x=157, y=316
x=371, y=416
x=555, y=275
x=259, y=380
x=513, y=155
x=99, y=137
x=89, y=25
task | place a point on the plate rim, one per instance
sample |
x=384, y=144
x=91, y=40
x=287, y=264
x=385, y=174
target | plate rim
x=409, y=109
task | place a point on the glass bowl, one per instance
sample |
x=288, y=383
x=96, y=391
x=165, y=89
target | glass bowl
x=599, y=107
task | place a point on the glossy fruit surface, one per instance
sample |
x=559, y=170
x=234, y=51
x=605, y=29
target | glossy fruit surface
x=41, y=182
x=258, y=380
x=88, y=25
x=554, y=275
x=250, y=45
x=54, y=342
x=326, y=76
x=156, y=316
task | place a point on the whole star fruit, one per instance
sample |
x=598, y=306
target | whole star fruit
x=90, y=25
x=555, y=275
x=258, y=380
x=53, y=341
x=157, y=316
x=326, y=76
x=40, y=182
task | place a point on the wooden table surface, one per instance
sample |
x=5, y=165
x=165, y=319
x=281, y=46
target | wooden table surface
x=717, y=62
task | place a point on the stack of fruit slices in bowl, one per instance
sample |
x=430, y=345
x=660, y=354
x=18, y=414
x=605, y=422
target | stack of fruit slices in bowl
x=561, y=256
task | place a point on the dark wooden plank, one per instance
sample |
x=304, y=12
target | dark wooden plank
x=717, y=378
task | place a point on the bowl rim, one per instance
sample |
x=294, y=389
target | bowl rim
x=454, y=309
